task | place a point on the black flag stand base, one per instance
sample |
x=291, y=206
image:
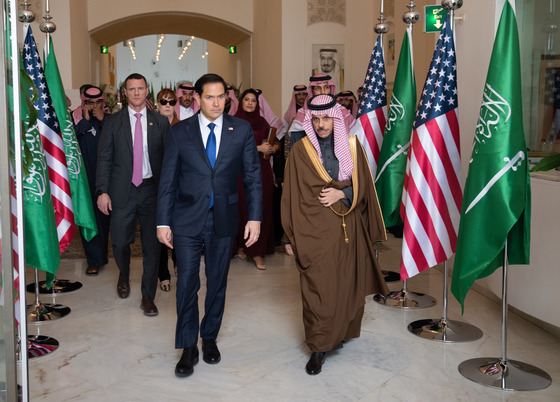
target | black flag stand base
x=405, y=299
x=443, y=329
x=40, y=345
x=499, y=372
x=509, y=375
x=59, y=286
x=39, y=312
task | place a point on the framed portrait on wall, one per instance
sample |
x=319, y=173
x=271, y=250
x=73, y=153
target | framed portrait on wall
x=329, y=59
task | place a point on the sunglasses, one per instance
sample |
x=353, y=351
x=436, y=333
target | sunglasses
x=165, y=102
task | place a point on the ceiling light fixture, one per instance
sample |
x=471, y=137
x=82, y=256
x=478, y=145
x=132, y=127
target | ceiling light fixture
x=187, y=45
x=158, y=49
x=131, y=47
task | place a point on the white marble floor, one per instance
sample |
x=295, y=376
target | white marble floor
x=109, y=351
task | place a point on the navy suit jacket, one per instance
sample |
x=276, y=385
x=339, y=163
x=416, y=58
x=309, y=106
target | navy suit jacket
x=115, y=153
x=187, y=178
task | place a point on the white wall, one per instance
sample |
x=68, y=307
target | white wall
x=532, y=289
x=169, y=68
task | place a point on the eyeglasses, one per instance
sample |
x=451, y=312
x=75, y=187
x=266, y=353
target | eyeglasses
x=165, y=102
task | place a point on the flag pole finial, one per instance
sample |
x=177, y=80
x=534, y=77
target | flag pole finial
x=26, y=15
x=47, y=26
x=411, y=16
x=381, y=27
x=450, y=5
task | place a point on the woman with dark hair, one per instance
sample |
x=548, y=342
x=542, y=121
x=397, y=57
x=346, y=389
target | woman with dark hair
x=166, y=101
x=249, y=110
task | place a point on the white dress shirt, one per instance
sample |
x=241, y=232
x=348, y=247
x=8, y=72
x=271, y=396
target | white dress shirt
x=185, y=113
x=205, y=130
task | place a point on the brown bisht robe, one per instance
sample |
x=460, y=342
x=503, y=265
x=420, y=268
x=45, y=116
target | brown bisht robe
x=334, y=246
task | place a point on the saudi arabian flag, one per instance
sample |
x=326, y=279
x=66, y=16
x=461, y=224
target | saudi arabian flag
x=497, y=197
x=41, y=239
x=81, y=197
x=398, y=131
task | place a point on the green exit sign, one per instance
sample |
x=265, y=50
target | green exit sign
x=435, y=18
x=232, y=49
x=104, y=49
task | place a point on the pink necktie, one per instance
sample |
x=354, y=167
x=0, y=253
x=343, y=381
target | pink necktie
x=138, y=148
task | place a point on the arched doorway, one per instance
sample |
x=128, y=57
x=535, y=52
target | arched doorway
x=210, y=28
x=220, y=34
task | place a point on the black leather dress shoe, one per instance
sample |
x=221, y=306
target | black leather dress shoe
x=123, y=288
x=315, y=363
x=210, y=352
x=189, y=358
x=148, y=306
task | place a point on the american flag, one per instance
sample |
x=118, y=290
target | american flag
x=372, y=111
x=15, y=252
x=432, y=196
x=53, y=145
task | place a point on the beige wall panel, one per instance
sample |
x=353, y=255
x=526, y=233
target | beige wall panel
x=95, y=61
x=79, y=42
x=267, y=54
x=222, y=63
x=244, y=67
x=59, y=11
x=357, y=36
x=238, y=12
x=294, y=70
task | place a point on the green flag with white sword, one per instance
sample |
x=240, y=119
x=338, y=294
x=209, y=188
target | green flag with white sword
x=497, y=196
x=391, y=168
x=41, y=240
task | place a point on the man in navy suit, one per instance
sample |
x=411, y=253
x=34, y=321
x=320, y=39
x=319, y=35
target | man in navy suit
x=129, y=158
x=197, y=209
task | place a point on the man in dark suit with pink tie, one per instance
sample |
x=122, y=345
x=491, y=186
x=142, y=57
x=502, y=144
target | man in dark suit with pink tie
x=197, y=210
x=129, y=158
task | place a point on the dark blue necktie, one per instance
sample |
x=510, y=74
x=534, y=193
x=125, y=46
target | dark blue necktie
x=211, y=145
x=211, y=152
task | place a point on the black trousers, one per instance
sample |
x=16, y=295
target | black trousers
x=217, y=253
x=141, y=205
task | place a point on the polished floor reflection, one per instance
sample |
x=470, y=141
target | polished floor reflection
x=110, y=351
